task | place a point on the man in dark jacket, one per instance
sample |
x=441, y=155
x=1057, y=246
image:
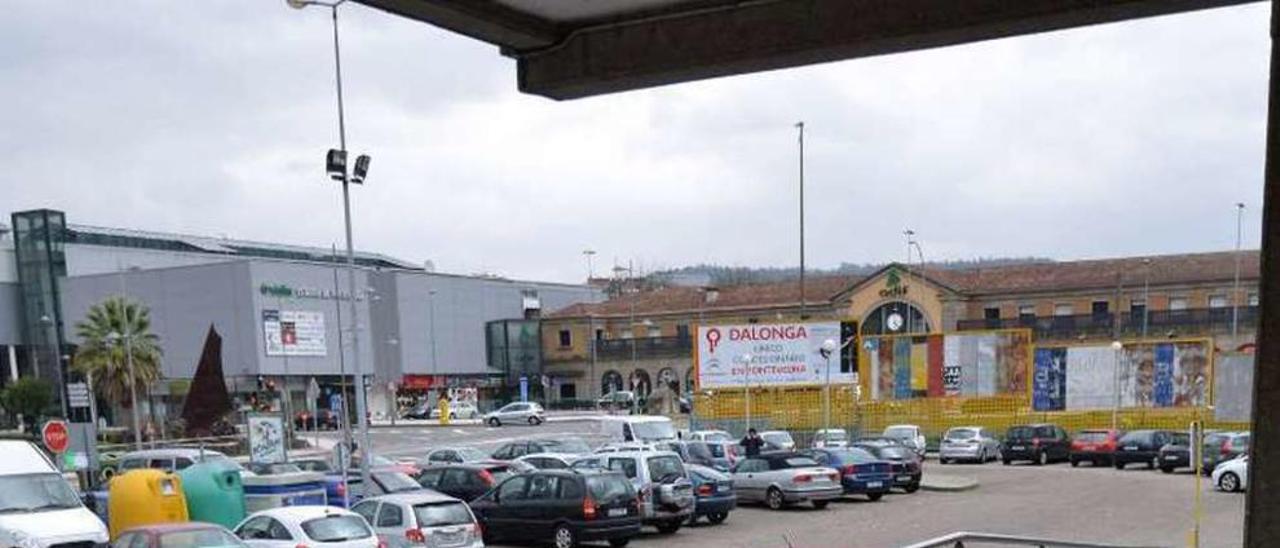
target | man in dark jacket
x=752, y=443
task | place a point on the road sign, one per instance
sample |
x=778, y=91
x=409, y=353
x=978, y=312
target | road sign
x=524, y=388
x=78, y=395
x=55, y=436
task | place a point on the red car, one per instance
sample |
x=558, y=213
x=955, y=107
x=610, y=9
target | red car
x=1096, y=446
x=183, y=535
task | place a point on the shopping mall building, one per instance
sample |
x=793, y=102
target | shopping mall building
x=281, y=311
x=645, y=339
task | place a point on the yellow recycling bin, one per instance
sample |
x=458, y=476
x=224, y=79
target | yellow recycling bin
x=444, y=411
x=145, y=497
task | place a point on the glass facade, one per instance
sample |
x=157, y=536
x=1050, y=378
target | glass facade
x=39, y=237
x=514, y=349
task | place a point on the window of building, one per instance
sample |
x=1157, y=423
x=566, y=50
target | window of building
x=1177, y=303
x=682, y=331
x=1217, y=301
x=1137, y=307
x=1100, y=308
x=599, y=334
x=1063, y=310
x=1253, y=299
x=991, y=313
x=1027, y=311
x=566, y=338
x=655, y=331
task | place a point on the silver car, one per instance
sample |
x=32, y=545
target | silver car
x=971, y=443
x=521, y=412
x=660, y=479
x=779, y=479
x=423, y=517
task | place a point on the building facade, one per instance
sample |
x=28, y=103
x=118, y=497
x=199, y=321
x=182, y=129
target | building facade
x=637, y=340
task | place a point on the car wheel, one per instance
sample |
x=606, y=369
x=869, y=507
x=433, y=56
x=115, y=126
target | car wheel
x=1075, y=463
x=912, y=487
x=564, y=537
x=1120, y=465
x=718, y=517
x=820, y=504
x=1229, y=482
x=453, y=416
x=1006, y=461
x=1166, y=469
x=774, y=499
x=494, y=422
x=875, y=496
x=1042, y=459
x=533, y=421
x=669, y=527
x=982, y=456
x=1151, y=464
x=942, y=460
x=619, y=542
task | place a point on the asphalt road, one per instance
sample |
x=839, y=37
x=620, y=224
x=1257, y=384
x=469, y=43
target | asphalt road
x=1131, y=507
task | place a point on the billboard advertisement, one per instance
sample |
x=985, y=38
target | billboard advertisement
x=1139, y=374
x=294, y=332
x=784, y=354
x=916, y=366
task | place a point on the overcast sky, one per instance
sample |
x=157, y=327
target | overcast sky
x=212, y=117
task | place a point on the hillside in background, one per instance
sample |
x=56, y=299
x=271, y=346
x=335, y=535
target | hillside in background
x=718, y=275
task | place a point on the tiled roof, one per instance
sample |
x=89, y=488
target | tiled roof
x=1165, y=270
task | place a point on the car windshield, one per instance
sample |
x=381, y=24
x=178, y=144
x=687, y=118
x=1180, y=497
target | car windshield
x=1215, y=439
x=607, y=487
x=777, y=438
x=900, y=432
x=513, y=407
x=313, y=465
x=336, y=528
x=203, y=538
x=1021, y=433
x=716, y=449
x=274, y=469
x=470, y=454
x=700, y=450
x=1180, y=438
x=835, y=435
x=655, y=430
x=35, y=493
x=442, y=514
x=962, y=434
x=717, y=436
x=567, y=445
x=893, y=452
x=500, y=473
x=664, y=467
x=395, y=482
x=1091, y=436
x=1140, y=436
x=800, y=462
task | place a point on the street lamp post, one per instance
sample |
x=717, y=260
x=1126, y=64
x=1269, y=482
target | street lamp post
x=828, y=347
x=1118, y=347
x=1146, y=296
x=126, y=339
x=1235, y=287
x=746, y=368
x=337, y=167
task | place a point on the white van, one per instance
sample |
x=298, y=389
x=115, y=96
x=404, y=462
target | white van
x=640, y=428
x=37, y=503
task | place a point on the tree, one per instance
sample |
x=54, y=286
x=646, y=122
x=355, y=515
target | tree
x=110, y=331
x=28, y=397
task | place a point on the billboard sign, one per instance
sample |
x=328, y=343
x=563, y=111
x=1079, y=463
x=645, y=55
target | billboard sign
x=294, y=332
x=783, y=354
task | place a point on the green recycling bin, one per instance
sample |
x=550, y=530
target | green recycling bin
x=214, y=492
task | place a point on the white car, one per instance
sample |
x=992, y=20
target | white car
x=293, y=526
x=909, y=435
x=425, y=518
x=778, y=440
x=833, y=438
x=550, y=461
x=37, y=506
x=1232, y=475
x=626, y=446
x=521, y=412
x=459, y=410
x=709, y=435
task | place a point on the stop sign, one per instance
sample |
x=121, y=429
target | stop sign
x=55, y=436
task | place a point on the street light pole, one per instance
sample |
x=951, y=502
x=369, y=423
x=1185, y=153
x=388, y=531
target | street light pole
x=1118, y=347
x=800, y=127
x=746, y=366
x=1146, y=295
x=1235, y=288
x=828, y=347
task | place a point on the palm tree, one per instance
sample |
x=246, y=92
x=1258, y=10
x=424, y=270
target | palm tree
x=111, y=330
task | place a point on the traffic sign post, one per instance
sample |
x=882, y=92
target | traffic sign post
x=55, y=436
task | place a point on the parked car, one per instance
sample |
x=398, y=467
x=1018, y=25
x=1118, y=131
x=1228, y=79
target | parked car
x=660, y=479
x=1176, y=453
x=272, y=468
x=422, y=518
x=637, y=428
x=453, y=454
x=549, y=461
x=709, y=435
x=177, y=535
x=386, y=482
x=335, y=489
x=38, y=503
x=971, y=443
x=421, y=411
x=713, y=494
x=323, y=419
x=1220, y=447
x=1039, y=443
x=169, y=460
x=861, y=473
x=516, y=449
x=465, y=481
x=835, y=437
x=723, y=453
x=910, y=435
x=292, y=526
x=782, y=478
x=626, y=446
x=1232, y=475
x=1141, y=446
x=907, y=466
x=619, y=399
x=562, y=507
x=709, y=454
x=1095, y=446
x=457, y=410
x=778, y=440
x=519, y=412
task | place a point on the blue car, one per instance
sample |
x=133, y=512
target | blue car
x=713, y=494
x=861, y=473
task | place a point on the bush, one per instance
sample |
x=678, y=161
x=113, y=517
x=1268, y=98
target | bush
x=32, y=398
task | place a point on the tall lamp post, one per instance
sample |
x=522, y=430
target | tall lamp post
x=336, y=164
x=1235, y=287
x=1118, y=347
x=800, y=126
x=828, y=348
x=746, y=369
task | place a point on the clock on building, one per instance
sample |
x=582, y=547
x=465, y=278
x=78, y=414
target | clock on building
x=894, y=322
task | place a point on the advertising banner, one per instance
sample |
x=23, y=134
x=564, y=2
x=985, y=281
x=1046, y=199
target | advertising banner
x=1049, y=387
x=1140, y=374
x=1232, y=387
x=294, y=332
x=768, y=355
x=266, y=438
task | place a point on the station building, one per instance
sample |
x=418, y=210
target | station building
x=640, y=340
x=281, y=311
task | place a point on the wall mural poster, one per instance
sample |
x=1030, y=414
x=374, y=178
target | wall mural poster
x=1091, y=377
x=294, y=332
x=1049, y=386
x=1013, y=353
x=902, y=368
x=987, y=365
x=885, y=363
x=951, y=368
x=968, y=366
x=1190, y=373
x=1163, y=390
x=919, y=366
x=937, y=384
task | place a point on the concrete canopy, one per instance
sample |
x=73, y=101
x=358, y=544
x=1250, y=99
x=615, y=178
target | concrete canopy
x=567, y=49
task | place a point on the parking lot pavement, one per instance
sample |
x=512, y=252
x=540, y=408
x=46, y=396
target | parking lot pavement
x=1136, y=507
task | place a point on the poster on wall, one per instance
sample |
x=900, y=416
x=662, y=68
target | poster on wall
x=917, y=366
x=266, y=438
x=294, y=332
x=768, y=355
x=1049, y=384
x=1163, y=374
